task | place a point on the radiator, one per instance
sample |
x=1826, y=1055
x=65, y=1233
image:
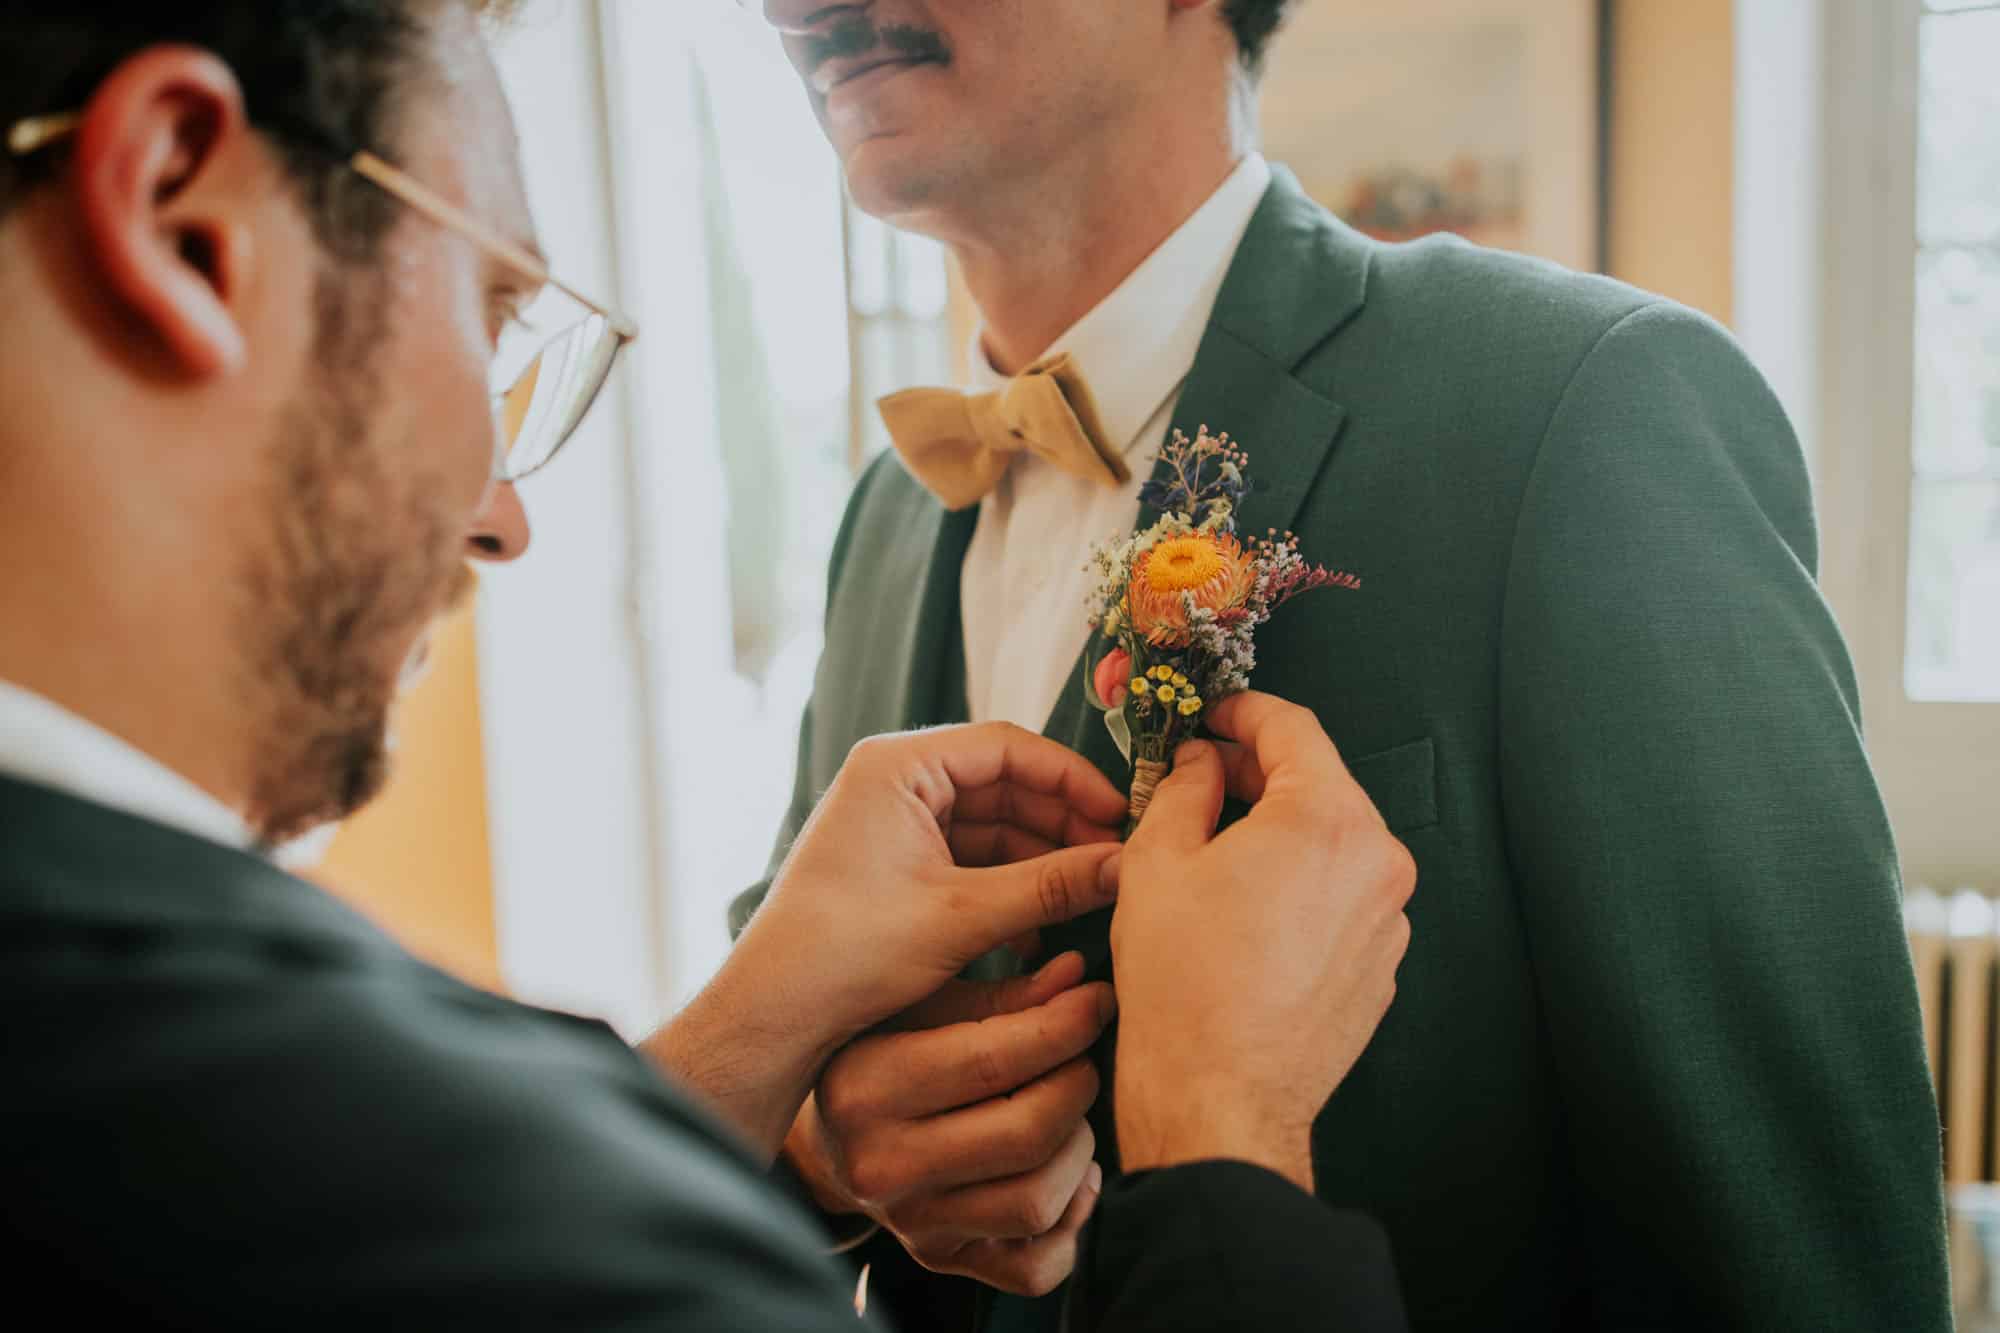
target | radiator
x=1954, y=943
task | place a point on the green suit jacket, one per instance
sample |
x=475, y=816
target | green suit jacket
x=1655, y=1058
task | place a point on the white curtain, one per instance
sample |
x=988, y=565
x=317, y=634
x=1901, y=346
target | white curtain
x=642, y=672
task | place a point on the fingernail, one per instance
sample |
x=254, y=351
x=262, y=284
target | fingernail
x=1107, y=1005
x=1190, y=752
x=1093, y=1178
x=1108, y=869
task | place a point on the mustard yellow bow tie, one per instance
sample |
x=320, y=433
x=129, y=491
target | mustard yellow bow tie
x=959, y=445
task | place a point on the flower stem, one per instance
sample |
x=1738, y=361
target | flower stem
x=1147, y=775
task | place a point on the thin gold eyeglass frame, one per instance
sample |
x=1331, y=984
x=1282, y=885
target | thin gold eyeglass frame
x=38, y=132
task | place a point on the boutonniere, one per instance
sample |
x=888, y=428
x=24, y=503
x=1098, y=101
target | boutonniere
x=1178, y=606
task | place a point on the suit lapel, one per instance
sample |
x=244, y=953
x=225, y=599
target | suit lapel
x=933, y=686
x=1298, y=278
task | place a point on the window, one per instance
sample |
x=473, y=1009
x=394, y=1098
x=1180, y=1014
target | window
x=899, y=302
x=1903, y=223
x=1952, y=652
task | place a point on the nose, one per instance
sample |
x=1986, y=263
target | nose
x=500, y=528
x=801, y=16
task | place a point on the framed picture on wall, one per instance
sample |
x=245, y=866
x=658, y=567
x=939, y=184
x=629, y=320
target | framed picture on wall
x=1479, y=117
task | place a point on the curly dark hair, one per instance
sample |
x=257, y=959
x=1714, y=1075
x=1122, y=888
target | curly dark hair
x=1254, y=22
x=320, y=78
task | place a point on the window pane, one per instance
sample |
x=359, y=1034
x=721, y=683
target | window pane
x=1952, y=643
x=1957, y=427
x=1953, y=653
x=1958, y=169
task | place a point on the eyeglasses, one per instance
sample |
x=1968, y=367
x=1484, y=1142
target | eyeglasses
x=543, y=385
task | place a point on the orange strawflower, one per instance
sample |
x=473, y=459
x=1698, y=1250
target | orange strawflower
x=1211, y=568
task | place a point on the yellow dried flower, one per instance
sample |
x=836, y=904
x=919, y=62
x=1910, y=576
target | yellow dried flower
x=1189, y=707
x=1166, y=694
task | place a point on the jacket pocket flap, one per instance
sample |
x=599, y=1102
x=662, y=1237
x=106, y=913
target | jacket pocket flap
x=1403, y=784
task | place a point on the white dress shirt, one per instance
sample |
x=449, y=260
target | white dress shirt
x=43, y=743
x=1023, y=587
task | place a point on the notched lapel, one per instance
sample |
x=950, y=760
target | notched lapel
x=1288, y=429
x=935, y=632
x=1298, y=278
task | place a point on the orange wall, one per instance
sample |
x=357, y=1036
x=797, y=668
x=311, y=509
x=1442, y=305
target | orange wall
x=1673, y=155
x=417, y=859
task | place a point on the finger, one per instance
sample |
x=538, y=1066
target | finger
x=1286, y=741
x=976, y=1001
x=1037, y=812
x=1016, y=1208
x=981, y=756
x=1188, y=803
x=1035, y=1267
x=976, y=845
x=987, y=906
x=945, y=1068
x=1241, y=776
x=1002, y=1136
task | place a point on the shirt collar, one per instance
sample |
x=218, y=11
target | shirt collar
x=1136, y=347
x=43, y=743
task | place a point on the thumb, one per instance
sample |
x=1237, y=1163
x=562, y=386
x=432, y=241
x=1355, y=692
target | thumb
x=1188, y=803
x=1000, y=902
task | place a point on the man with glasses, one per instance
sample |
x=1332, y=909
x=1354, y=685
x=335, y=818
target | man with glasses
x=261, y=265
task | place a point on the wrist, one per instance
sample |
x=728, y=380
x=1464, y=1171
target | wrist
x=1175, y=1122
x=745, y=1045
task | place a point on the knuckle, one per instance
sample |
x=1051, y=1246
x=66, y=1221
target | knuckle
x=1039, y=1210
x=1399, y=935
x=874, y=1178
x=1401, y=870
x=988, y=1073
x=1043, y=1273
x=841, y=1099
x=1055, y=892
x=1022, y=1144
x=1040, y=1139
x=1086, y=1080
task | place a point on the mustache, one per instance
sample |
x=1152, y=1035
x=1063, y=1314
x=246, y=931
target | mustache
x=858, y=35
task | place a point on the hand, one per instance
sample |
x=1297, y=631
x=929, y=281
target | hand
x=1253, y=967
x=963, y=1132
x=928, y=850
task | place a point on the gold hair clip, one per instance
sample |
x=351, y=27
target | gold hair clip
x=38, y=132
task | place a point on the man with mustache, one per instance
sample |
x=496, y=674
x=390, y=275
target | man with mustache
x=258, y=259
x=1655, y=1059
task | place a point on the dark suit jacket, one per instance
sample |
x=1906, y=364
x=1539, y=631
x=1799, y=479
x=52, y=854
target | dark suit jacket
x=228, y=1102
x=1655, y=1056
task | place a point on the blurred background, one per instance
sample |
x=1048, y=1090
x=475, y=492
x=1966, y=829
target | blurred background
x=599, y=756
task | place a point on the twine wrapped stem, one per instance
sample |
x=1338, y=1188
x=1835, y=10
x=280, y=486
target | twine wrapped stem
x=1146, y=777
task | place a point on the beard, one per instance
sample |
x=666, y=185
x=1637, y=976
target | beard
x=361, y=554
